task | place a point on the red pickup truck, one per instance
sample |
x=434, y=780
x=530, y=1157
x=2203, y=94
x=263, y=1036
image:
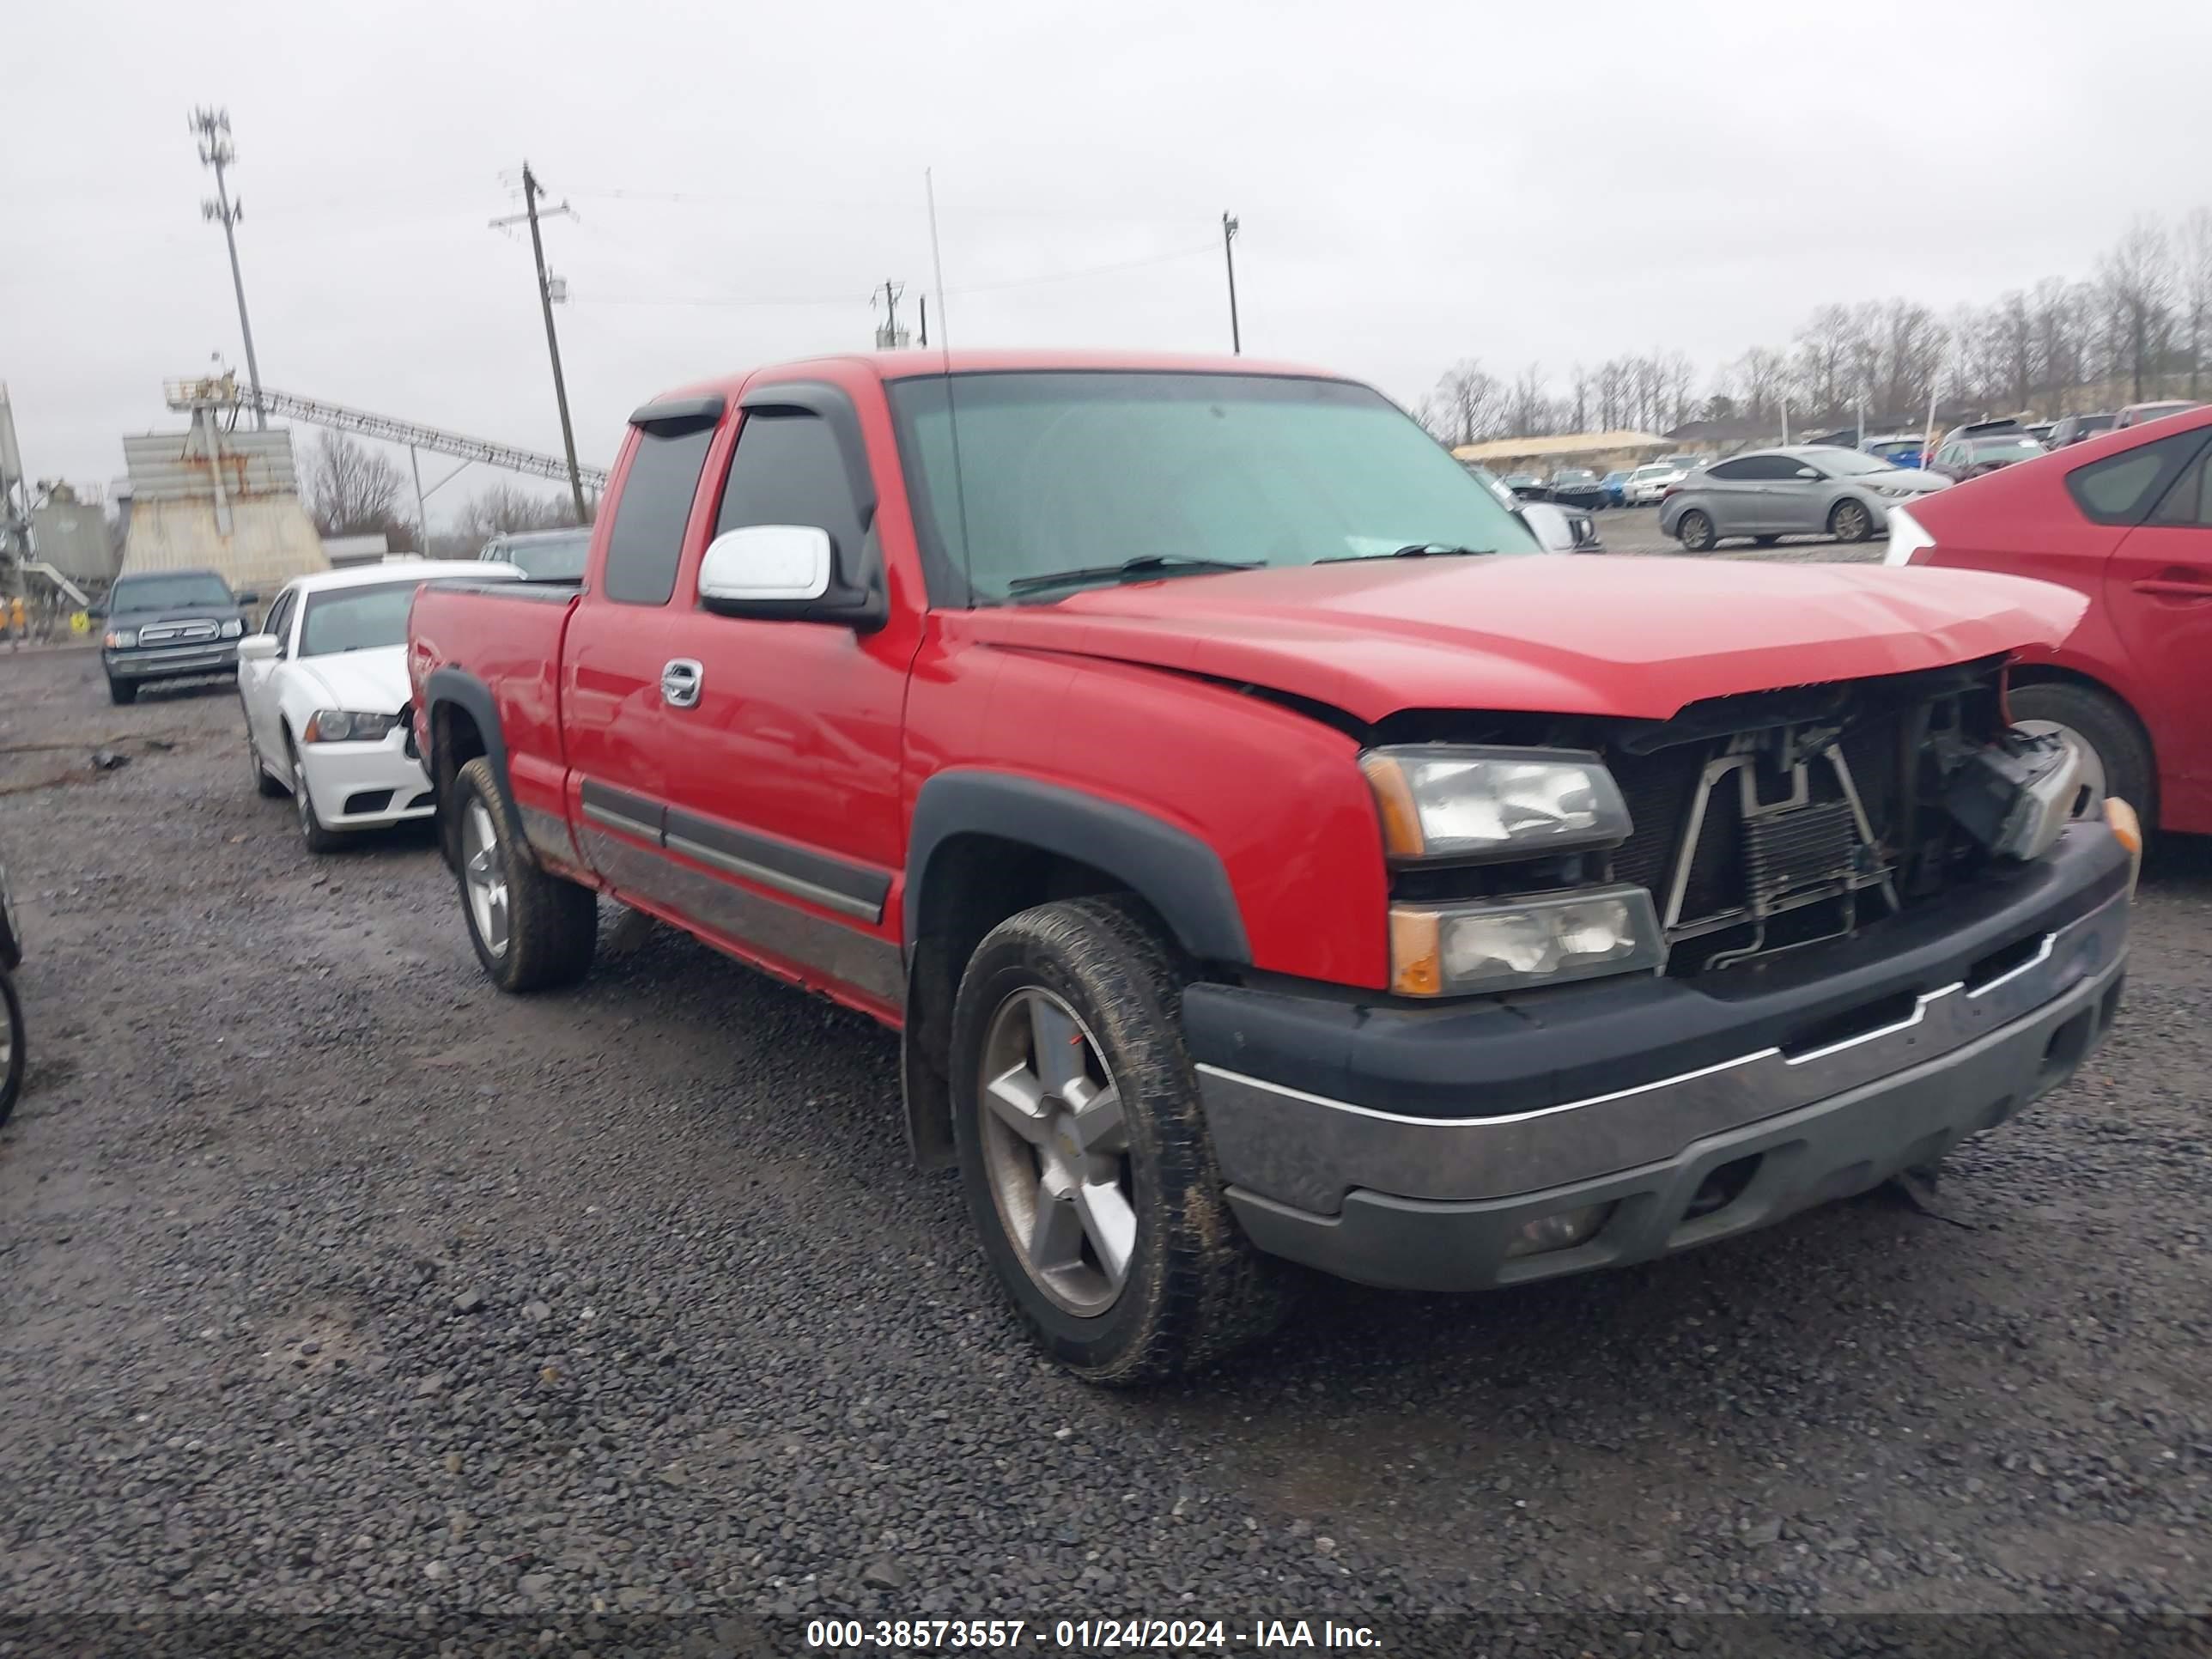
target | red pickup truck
x=1268, y=855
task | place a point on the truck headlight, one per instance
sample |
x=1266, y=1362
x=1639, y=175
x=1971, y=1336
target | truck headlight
x=343, y=725
x=232, y=629
x=121, y=639
x=1515, y=945
x=1906, y=538
x=1443, y=802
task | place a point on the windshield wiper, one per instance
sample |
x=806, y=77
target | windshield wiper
x=1415, y=551
x=1146, y=564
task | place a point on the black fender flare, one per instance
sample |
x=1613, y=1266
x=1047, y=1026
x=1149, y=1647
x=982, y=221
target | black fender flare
x=1171, y=870
x=466, y=691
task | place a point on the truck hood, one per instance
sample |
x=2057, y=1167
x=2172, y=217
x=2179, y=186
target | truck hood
x=372, y=682
x=1636, y=637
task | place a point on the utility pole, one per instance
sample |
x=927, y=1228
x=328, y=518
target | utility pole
x=1229, y=255
x=530, y=191
x=212, y=128
x=924, y=303
x=887, y=337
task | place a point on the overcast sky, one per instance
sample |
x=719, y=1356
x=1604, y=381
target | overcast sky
x=1416, y=184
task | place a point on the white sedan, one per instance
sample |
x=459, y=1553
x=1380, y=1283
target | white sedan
x=325, y=686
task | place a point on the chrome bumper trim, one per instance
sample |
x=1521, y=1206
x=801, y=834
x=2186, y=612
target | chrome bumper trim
x=1309, y=1151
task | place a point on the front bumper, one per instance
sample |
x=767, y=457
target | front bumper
x=363, y=785
x=172, y=662
x=1415, y=1145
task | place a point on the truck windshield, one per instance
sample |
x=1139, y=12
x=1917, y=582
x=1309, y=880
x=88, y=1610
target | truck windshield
x=1069, y=472
x=168, y=592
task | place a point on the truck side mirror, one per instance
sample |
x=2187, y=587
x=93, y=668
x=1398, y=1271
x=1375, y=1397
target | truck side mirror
x=258, y=648
x=246, y=598
x=771, y=571
x=1553, y=532
x=771, y=564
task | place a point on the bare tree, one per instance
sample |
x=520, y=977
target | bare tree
x=2196, y=252
x=1466, y=406
x=1764, y=374
x=1581, y=383
x=1823, y=346
x=352, y=490
x=1615, y=377
x=1531, y=413
x=504, y=508
x=1912, y=345
x=2136, y=280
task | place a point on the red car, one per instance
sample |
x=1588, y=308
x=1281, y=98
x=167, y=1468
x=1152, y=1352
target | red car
x=1266, y=852
x=2125, y=519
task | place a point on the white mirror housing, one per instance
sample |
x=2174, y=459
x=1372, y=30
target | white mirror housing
x=258, y=648
x=766, y=563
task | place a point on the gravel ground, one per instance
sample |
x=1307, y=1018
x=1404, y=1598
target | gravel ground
x=336, y=1284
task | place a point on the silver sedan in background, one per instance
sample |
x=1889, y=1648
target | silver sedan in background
x=1809, y=489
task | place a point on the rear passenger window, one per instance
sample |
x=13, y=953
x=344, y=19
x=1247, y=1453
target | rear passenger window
x=2119, y=488
x=1731, y=471
x=789, y=469
x=2187, y=501
x=646, y=538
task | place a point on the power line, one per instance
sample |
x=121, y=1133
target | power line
x=1034, y=210
x=737, y=301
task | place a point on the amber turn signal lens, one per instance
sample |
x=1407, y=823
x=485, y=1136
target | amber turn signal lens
x=1394, y=800
x=2127, y=829
x=1416, y=961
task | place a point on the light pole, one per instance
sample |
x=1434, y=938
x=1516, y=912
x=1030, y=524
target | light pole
x=212, y=127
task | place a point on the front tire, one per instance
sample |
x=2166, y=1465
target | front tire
x=122, y=691
x=532, y=930
x=1850, y=522
x=1695, y=531
x=2116, y=756
x=1084, y=1151
x=264, y=786
x=313, y=836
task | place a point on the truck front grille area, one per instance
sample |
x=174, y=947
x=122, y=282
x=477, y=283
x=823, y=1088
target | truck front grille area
x=181, y=633
x=1757, y=838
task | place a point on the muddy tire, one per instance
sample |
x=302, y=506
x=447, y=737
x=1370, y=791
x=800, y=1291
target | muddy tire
x=121, y=691
x=1101, y=1211
x=532, y=930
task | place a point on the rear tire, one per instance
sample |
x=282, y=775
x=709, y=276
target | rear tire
x=1695, y=531
x=122, y=691
x=1191, y=1287
x=532, y=930
x=2101, y=724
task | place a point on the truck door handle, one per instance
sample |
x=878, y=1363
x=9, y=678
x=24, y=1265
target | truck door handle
x=680, y=682
x=2163, y=589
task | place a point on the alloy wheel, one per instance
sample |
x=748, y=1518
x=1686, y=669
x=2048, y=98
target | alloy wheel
x=1056, y=1151
x=484, y=871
